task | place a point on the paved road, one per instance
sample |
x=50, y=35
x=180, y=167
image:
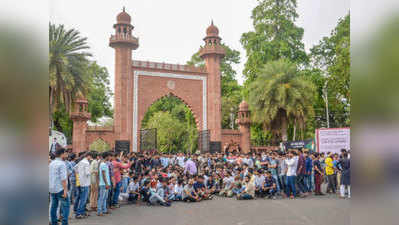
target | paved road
x=326, y=210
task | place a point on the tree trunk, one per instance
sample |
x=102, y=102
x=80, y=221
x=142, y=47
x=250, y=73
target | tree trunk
x=294, y=136
x=50, y=110
x=284, y=125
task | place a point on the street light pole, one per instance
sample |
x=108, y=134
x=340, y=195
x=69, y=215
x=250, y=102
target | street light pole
x=325, y=92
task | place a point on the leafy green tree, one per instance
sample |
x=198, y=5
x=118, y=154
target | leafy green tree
x=275, y=36
x=98, y=96
x=332, y=57
x=279, y=96
x=230, y=89
x=179, y=125
x=99, y=92
x=67, y=58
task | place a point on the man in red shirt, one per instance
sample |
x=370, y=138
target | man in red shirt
x=118, y=166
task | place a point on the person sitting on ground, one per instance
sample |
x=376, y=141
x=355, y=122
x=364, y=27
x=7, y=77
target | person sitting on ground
x=237, y=187
x=211, y=186
x=145, y=191
x=189, y=194
x=152, y=195
x=133, y=190
x=259, y=179
x=177, y=191
x=200, y=188
x=269, y=188
x=227, y=184
x=249, y=191
x=162, y=194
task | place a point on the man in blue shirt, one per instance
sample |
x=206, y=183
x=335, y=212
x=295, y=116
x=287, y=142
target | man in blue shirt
x=273, y=168
x=104, y=184
x=269, y=188
x=58, y=181
x=308, y=172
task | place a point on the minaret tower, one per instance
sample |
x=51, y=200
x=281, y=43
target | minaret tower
x=123, y=42
x=80, y=116
x=244, y=123
x=212, y=53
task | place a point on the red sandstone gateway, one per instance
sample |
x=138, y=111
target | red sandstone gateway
x=139, y=84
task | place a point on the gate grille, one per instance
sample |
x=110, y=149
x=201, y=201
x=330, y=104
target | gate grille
x=148, y=139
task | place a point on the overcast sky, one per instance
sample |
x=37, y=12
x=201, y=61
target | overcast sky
x=172, y=30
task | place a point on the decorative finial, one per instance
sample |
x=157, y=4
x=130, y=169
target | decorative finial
x=123, y=8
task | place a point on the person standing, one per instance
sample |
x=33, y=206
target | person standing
x=318, y=173
x=83, y=168
x=301, y=173
x=291, y=175
x=330, y=174
x=94, y=180
x=190, y=167
x=273, y=169
x=104, y=184
x=346, y=175
x=308, y=172
x=118, y=166
x=58, y=182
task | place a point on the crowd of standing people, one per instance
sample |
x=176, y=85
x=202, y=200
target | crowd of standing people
x=97, y=182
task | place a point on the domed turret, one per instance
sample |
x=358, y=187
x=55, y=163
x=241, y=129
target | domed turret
x=212, y=31
x=243, y=106
x=213, y=45
x=123, y=36
x=123, y=17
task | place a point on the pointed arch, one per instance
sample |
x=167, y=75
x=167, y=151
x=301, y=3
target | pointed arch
x=190, y=89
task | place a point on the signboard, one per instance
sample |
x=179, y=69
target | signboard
x=333, y=139
x=308, y=144
x=122, y=146
x=203, y=141
x=59, y=139
x=215, y=147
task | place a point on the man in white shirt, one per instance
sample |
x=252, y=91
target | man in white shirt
x=58, y=187
x=291, y=174
x=83, y=169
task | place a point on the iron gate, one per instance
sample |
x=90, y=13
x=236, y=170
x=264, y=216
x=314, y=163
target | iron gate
x=148, y=140
x=203, y=141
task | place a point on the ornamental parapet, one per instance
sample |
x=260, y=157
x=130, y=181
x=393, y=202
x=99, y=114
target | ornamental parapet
x=168, y=66
x=212, y=49
x=100, y=128
x=124, y=39
x=80, y=115
x=243, y=121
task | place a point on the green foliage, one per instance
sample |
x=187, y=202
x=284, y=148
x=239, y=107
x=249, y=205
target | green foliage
x=67, y=59
x=175, y=123
x=279, y=96
x=230, y=89
x=99, y=145
x=275, y=36
x=62, y=122
x=99, y=92
x=72, y=73
x=332, y=57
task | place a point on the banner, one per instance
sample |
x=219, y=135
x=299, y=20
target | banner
x=308, y=144
x=333, y=139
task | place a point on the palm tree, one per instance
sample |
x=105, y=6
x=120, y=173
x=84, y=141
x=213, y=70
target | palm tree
x=67, y=60
x=279, y=96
